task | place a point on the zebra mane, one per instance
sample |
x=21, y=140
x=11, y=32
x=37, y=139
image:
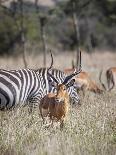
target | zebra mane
x=52, y=70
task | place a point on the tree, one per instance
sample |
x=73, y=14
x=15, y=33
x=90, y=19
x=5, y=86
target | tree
x=9, y=32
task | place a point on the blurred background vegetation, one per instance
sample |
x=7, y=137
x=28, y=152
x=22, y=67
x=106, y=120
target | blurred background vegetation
x=96, y=24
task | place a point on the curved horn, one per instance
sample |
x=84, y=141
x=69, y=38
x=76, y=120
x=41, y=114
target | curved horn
x=51, y=68
x=51, y=61
x=76, y=71
x=103, y=85
x=73, y=65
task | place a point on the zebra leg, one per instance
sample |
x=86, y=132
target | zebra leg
x=33, y=104
x=30, y=108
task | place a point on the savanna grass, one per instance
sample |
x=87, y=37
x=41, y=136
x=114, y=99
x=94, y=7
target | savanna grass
x=89, y=129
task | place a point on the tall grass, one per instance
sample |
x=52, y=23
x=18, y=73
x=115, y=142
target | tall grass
x=89, y=129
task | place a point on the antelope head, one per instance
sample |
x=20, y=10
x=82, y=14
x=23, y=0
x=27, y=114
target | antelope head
x=68, y=81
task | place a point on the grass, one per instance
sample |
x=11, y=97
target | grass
x=90, y=129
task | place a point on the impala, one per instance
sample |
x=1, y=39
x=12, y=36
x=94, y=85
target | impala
x=111, y=78
x=84, y=82
x=57, y=105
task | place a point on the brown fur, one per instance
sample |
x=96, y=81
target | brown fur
x=85, y=81
x=111, y=77
x=56, y=110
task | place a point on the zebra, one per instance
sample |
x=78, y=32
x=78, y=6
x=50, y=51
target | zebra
x=18, y=87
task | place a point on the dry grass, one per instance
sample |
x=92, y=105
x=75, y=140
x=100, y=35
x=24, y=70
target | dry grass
x=89, y=130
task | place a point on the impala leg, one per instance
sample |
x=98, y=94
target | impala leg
x=112, y=85
x=40, y=109
x=83, y=90
x=61, y=124
x=108, y=82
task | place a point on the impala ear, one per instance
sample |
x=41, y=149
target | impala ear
x=71, y=83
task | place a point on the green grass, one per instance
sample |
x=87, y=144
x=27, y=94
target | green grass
x=89, y=130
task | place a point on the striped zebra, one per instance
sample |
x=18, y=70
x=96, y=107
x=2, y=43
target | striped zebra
x=17, y=87
x=20, y=86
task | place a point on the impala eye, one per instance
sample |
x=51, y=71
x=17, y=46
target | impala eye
x=64, y=89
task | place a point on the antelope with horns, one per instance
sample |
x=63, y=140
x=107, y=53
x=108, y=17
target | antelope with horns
x=57, y=105
x=84, y=82
x=111, y=78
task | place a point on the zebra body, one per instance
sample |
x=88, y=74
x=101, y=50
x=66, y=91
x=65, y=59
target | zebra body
x=17, y=87
x=60, y=76
x=20, y=86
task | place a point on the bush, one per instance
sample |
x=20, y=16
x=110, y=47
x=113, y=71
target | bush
x=9, y=32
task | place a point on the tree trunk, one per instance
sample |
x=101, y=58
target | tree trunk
x=76, y=31
x=42, y=29
x=22, y=32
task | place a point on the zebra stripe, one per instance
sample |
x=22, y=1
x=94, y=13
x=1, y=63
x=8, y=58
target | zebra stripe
x=60, y=76
x=20, y=86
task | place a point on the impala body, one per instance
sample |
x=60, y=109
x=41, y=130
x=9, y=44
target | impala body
x=111, y=78
x=84, y=82
x=57, y=104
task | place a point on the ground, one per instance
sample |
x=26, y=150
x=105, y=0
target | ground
x=90, y=129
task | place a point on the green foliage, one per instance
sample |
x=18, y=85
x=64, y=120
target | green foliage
x=8, y=31
x=32, y=27
x=96, y=21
